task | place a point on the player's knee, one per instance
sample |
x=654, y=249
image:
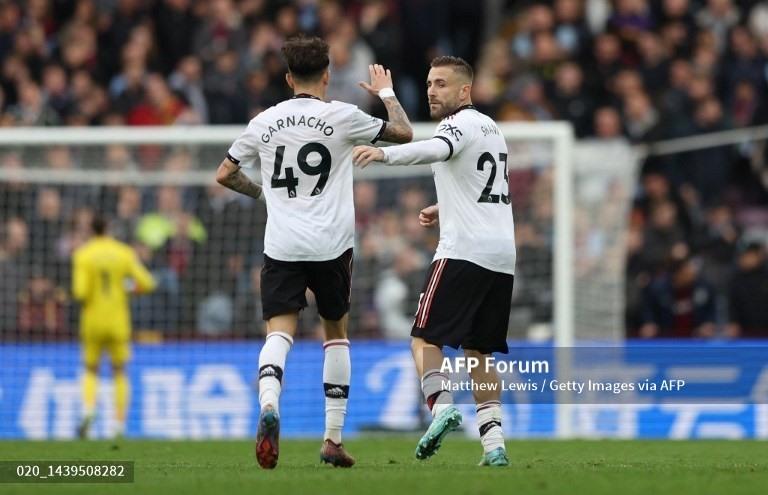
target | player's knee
x=483, y=369
x=474, y=354
x=118, y=369
x=287, y=323
x=335, y=331
x=426, y=350
x=417, y=344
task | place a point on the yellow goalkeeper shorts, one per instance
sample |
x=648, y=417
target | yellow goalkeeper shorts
x=116, y=344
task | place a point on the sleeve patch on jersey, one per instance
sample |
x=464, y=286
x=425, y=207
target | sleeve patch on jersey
x=381, y=132
x=450, y=146
x=233, y=159
x=450, y=129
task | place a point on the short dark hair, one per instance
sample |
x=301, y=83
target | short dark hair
x=99, y=225
x=459, y=65
x=306, y=57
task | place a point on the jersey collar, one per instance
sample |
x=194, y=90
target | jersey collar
x=463, y=107
x=305, y=95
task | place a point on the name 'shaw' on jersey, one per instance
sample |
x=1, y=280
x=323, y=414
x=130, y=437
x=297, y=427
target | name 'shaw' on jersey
x=472, y=185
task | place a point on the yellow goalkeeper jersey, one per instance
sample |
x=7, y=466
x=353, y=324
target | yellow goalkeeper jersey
x=102, y=273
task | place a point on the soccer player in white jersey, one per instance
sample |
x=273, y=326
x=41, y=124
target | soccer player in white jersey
x=467, y=295
x=304, y=148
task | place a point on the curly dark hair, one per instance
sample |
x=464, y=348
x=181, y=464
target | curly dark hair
x=306, y=57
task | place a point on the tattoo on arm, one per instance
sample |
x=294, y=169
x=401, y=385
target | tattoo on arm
x=399, y=127
x=241, y=183
x=234, y=178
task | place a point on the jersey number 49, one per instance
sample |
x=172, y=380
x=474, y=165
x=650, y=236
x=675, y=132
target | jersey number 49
x=290, y=182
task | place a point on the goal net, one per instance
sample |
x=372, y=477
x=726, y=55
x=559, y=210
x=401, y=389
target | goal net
x=196, y=338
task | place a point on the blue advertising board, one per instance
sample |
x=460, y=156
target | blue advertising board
x=207, y=390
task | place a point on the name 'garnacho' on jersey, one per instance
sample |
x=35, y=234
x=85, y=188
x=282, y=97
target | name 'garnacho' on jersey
x=304, y=147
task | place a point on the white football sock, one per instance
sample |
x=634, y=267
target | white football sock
x=435, y=387
x=271, y=366
x=489, y=423
x=336, y=374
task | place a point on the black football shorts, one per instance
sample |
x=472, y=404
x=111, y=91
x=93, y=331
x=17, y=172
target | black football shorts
x=464, y=305
x=284, y=285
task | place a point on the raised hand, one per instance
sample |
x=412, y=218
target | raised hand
x=380, y=78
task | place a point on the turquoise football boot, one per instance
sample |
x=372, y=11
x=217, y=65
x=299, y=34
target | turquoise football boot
x=441, y=425
x=496, y=457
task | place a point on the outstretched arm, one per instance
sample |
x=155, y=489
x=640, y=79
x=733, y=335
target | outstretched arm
x=230, y=176
x=419, y=153
x=398, y=128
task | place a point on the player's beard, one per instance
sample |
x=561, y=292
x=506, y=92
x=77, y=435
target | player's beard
x=442, y=109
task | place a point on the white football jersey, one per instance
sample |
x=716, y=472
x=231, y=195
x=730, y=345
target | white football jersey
x=473, y=193
x=304, y=146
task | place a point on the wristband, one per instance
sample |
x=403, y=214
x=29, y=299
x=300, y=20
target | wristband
x=386, y=93
x=385, y=160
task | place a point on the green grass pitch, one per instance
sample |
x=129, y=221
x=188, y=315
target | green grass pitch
x=386, y=466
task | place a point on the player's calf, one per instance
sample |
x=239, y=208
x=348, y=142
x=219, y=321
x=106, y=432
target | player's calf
x=336, y=379
x=271, y=365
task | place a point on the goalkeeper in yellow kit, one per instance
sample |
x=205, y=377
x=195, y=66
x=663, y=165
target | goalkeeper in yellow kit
x=105, y=273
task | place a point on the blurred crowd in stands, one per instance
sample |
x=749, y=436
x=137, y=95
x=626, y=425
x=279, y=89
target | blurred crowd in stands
x=203, y=245
x=644, y=70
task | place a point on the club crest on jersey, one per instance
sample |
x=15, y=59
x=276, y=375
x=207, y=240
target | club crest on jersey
x=450, y=129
